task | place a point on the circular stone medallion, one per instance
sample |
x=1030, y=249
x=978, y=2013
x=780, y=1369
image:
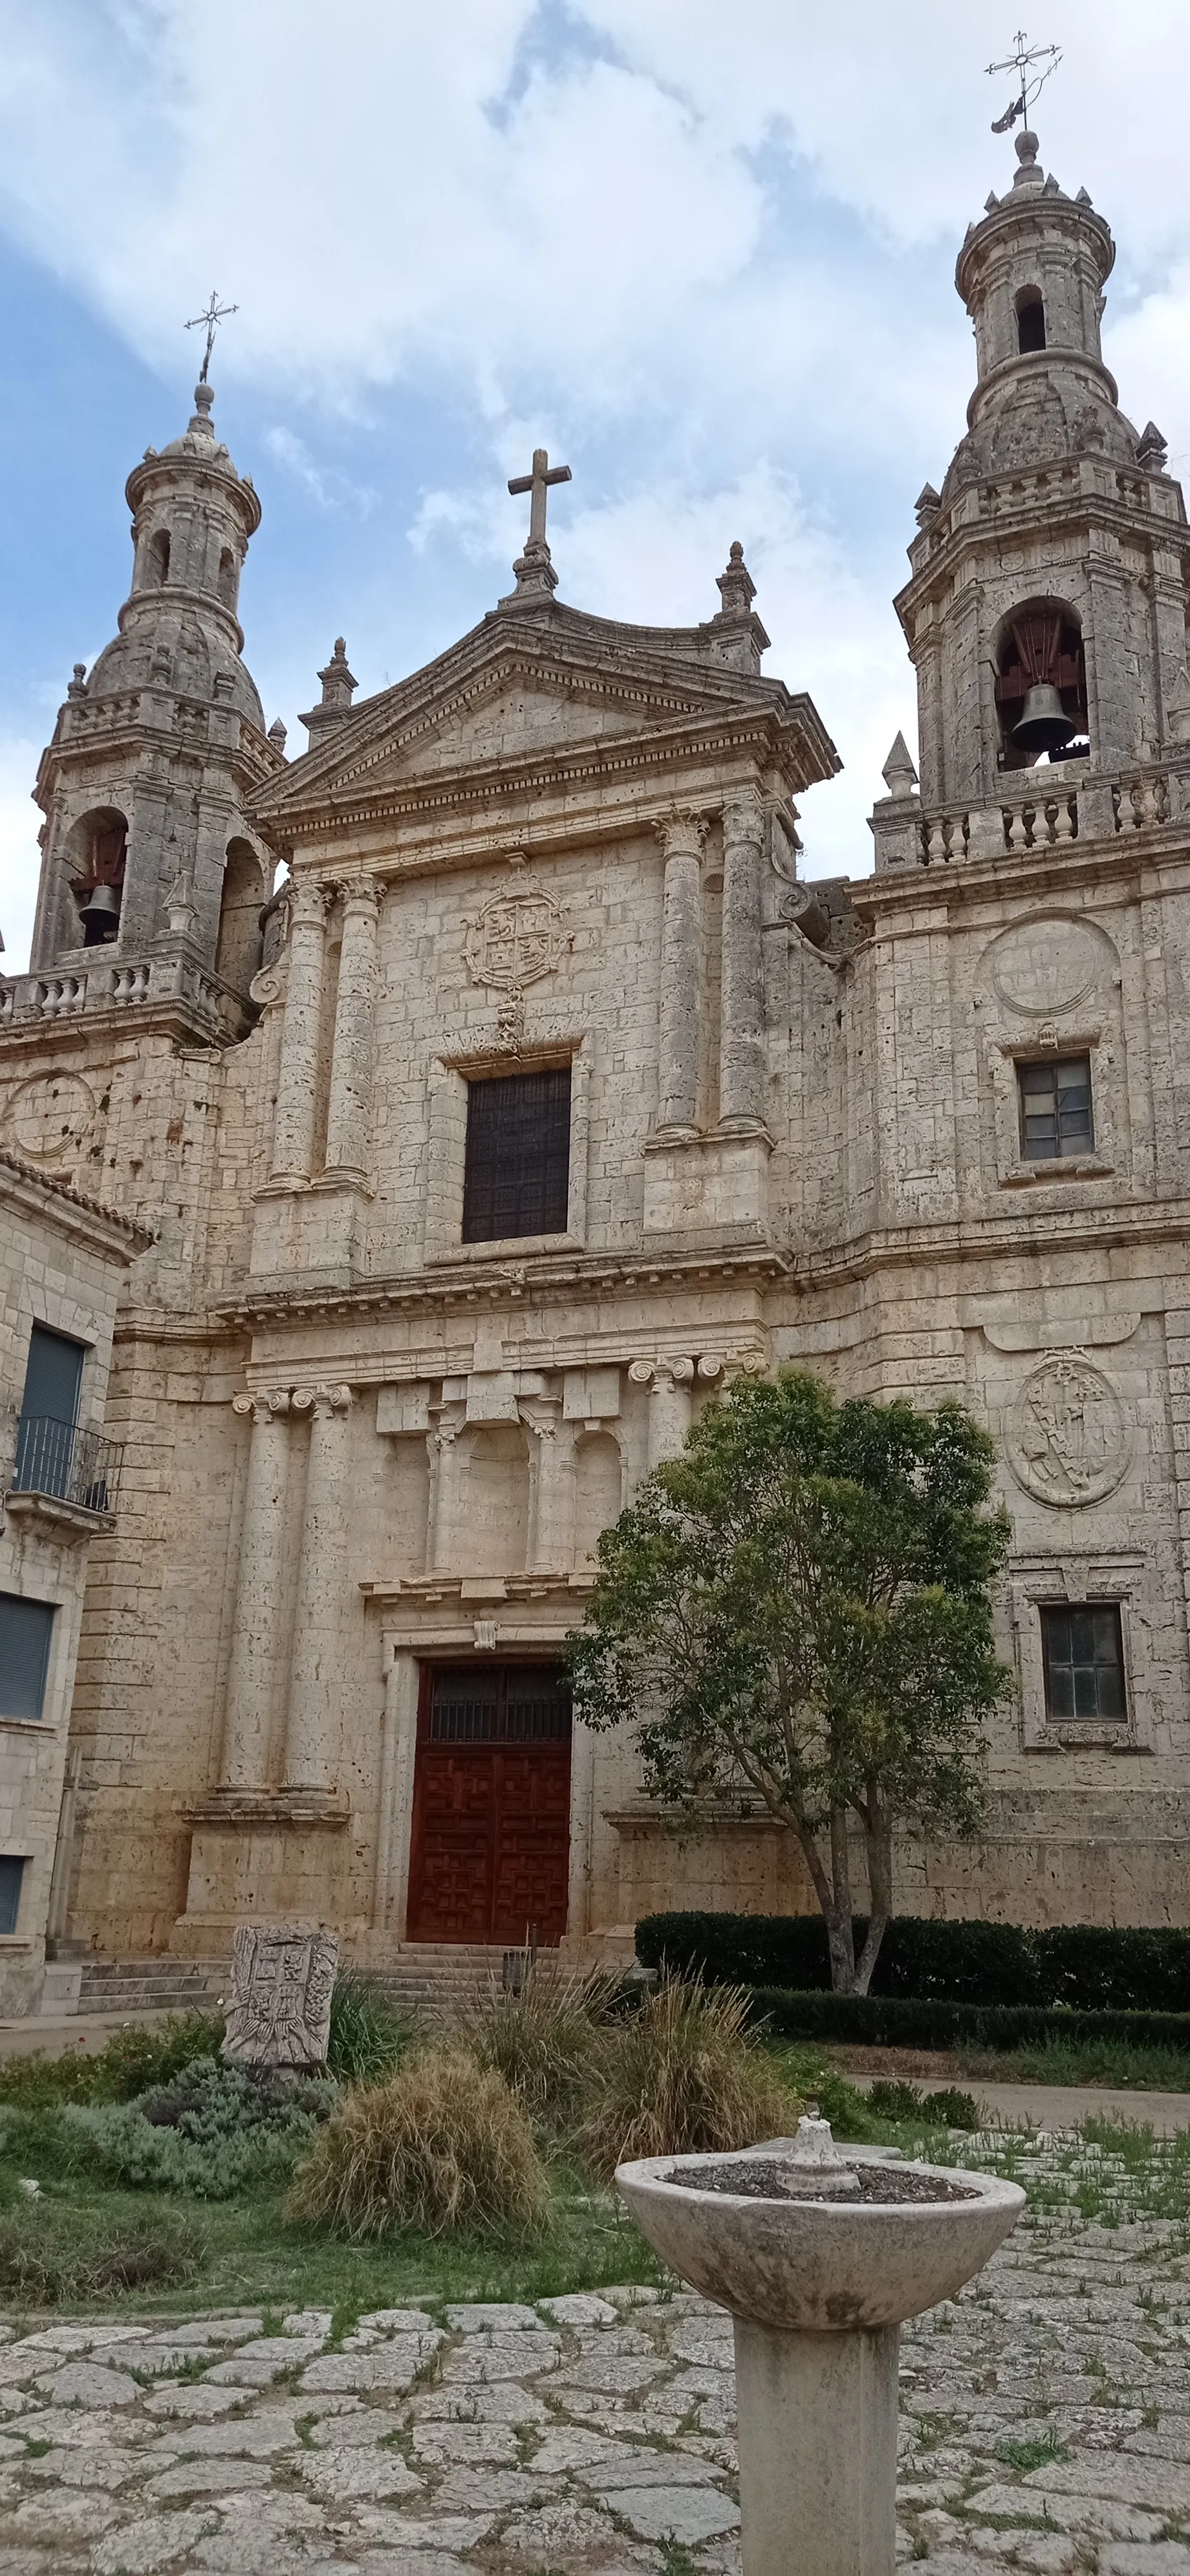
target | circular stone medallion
x=1068, y=1440
x=1042, y=968
x=48, y=1117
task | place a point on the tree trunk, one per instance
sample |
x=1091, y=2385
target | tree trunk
x=878, y=1838
x=833, y=1891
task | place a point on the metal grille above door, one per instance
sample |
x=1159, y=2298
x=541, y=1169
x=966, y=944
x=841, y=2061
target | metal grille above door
x=516, y=1177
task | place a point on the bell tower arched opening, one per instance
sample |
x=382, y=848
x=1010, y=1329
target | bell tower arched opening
x=97, y=854
x=158, y=559
x=241, y=940
x=1030, y=320
x=1041, y=685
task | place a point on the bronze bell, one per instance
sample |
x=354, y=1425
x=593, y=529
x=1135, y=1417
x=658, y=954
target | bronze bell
x=100, y=914
x=1044, y=726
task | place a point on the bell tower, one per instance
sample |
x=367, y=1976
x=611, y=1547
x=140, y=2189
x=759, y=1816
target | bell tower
x=152, y=876
x=1046, y=612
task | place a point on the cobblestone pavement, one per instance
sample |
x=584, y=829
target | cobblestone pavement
x=1045, y=2423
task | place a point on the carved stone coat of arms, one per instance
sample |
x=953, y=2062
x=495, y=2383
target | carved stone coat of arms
x=281, y=1985
x=515, y=939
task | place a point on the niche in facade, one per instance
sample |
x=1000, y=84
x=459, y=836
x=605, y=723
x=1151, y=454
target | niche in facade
x=1041, y=685
x=493, y=1534
x=97, y=853
x=240, y=945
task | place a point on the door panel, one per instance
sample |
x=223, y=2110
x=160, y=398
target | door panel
x=490, y=1848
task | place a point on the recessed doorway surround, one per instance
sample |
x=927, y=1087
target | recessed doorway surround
x=491, y=1804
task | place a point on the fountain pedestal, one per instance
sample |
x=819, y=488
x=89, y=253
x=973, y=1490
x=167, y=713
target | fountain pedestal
x=819, y=2258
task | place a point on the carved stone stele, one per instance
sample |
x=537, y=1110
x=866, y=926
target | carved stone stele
x=281, y=1985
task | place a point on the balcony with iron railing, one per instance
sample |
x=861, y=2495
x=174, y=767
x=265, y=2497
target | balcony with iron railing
x=1034, y=809
x=64, y=1474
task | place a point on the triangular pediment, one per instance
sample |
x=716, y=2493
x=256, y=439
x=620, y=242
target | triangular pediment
x=518, y=689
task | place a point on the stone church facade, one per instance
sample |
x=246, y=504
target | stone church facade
x=543, y=1098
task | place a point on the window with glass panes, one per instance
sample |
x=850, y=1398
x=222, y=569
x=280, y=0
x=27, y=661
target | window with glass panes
x=1083, y=1653
x=516, y=1176
x=1055, y=1103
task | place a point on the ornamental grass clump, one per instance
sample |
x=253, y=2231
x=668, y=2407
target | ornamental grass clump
x=682, y=2077
x=370, y=2035
x=542, y=2040
x=443, y=2147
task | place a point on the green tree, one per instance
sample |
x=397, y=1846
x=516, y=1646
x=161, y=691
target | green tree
x=799, y=1607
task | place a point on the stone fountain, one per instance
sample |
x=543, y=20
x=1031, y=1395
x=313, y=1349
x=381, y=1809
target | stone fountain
x=819, y=2256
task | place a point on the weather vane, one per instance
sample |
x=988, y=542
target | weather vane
x=209, y=322
x=1024, y=61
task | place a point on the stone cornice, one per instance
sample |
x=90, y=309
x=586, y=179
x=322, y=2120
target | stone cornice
x=1063, y=517
x=1055, y=871
x=70, y=1210
x=542, y=1278
x=997, y=1236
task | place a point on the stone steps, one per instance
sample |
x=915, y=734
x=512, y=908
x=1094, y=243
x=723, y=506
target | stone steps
x=428, y=1976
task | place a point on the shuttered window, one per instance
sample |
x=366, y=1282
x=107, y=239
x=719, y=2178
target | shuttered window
x=517, y=1173
x=1084, y=1661
x=499, y=1704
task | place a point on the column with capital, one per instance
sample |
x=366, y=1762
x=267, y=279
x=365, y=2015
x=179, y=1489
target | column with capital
x=741, y=1008
x=293, y=1130
x=442, y=1535
x=551, y=1486
x=681, y=840
x=349, y=1111
x=252, y=1677
x=669, y=1383
x=314, y=1726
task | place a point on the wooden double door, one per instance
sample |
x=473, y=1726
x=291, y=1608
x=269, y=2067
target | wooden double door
x=490, y=1851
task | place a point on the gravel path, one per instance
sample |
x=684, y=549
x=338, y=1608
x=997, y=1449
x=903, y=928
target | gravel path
x=1045, y=2424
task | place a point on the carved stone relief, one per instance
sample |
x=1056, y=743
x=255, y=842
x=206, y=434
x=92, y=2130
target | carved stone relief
x=281, y=1984
x=1068, y=1439
x=1042, y=969
x=49, y=1116
x=516, y=938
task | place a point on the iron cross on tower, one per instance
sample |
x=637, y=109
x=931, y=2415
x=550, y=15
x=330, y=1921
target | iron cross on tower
x=538, y=483
x=209, y=322
x=1025, y=60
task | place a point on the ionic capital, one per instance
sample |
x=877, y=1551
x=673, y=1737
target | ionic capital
x=265, y=1405
x=322, y=1400
x=660, y=1375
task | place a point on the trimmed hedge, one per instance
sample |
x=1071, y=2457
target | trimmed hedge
x=1084, y=1966
x=889, y=2021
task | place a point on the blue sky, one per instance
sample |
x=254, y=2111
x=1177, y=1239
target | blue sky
x=704, y=255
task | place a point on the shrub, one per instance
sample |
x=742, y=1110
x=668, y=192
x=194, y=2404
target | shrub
x=48, y=2255
x=542, y=2040
x=681, y=2076
x=135, y=2057
x=888, y=2021
x=215, y=2131
x=1091, y=1967
x=443, y=2146
x=948, y=2109
x=958, y=2110
x=370, y=2034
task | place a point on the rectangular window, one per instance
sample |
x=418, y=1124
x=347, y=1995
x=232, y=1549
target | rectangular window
x=499, y=1704
x=11, y=1874
x=516, y=1178
x=1055, y=1101
x=25, y=1631
x=1083, y=1652
x=49, y=1412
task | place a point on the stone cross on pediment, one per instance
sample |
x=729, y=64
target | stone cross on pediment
x=535, y=575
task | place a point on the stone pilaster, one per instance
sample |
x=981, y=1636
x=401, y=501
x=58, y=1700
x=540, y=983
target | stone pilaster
x=741, y=1021
x=349, y=1112
x=669, y=1383
x=314, y=1727
x=293, y=1131
x=449, y=1420
x=677, y=1083
x=251, y=1681
x=551, y=1485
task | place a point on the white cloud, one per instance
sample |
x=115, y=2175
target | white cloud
x=330, y=489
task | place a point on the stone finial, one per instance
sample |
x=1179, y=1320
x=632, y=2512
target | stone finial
x=927, y=505
x=201, y=424
x=1152, y=449
x=77, y=687
x=991, y=202
x=278, y=736
x=735, y=585
x=1084, y=197
x=898, y=773
x=338, y=683
x=1027, y=149
x=180, y=910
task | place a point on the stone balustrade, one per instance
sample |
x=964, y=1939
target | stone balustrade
x=106, y=982
x=1035, y=809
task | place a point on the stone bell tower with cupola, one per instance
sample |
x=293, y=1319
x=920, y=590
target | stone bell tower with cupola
x=1046, y=613
x=153, y=877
